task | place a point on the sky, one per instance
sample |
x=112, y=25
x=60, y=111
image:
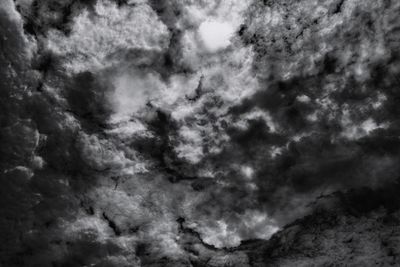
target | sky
x=124, y=120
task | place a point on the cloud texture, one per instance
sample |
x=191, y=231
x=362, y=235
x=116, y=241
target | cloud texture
x=136, y=132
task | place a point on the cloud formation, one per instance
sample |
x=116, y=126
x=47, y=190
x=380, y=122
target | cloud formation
x=132, y=130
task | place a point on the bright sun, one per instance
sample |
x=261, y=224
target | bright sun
x=215, y=35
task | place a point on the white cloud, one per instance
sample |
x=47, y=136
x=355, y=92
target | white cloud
x=101, y=154
x=215, y=35
x=252, y=224
x=192, y=152
x=132, y=91
x=106, y=37
x=247, y=171
x=353, y=130
x=257, y=113
x=220, y=235
x=7, y=7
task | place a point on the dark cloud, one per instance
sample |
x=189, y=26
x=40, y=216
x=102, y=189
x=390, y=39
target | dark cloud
x=320, y=150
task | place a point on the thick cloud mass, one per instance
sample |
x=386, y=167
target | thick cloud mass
x=187, y=132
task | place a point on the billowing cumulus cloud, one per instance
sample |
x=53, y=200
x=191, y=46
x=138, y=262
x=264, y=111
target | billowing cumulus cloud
x=137, y=133
x=101, y=37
